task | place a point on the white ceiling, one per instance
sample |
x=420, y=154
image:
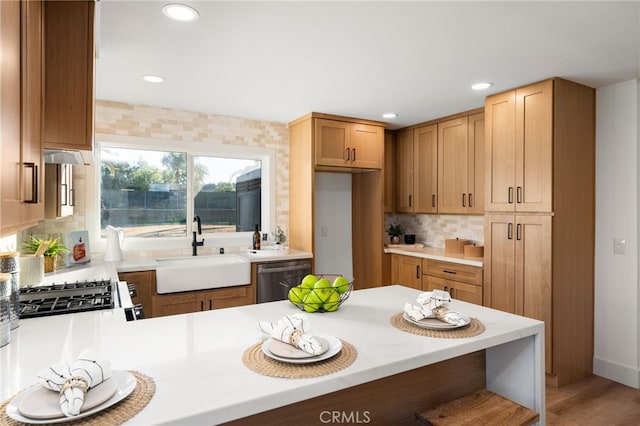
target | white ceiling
x=277, y=61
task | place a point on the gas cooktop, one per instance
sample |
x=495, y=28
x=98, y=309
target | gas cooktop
x=55, y=299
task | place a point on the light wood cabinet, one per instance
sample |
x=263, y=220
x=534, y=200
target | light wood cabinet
x=367, y=186
x=21, y=193
x=157, y=305
x=539, y=256
x=347, y=144
x=519, y=154
x=417, y=170
x=389, y=173
x=59, y=192
x=518, y=268
x=406, y=270
x=463, y=282
x=461, y=165
x=145, y=282
x=202, y=300
x=69, y=75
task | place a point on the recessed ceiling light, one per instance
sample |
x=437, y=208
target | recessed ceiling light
x=180, y=12
x=153, y=78
x=481, y=86
x=389, y=115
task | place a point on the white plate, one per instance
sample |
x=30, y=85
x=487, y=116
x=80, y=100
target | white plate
x=335, y=346
x=125, y=381
x=436, y=324
x=285, y=350
x=44, y=403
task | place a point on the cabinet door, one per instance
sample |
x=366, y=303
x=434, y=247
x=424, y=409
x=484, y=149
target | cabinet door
x=453, y=166
x=476, y=173
x=366, y=146
x=425, y=169
x=231, y=296
x=499, y=264
x=178, y=303
x=532, y=236
x=389, y=173
x=404, y=172
x=458, y=290
x=534, y=147
x=21, y=204
x=332, y=142
x=500, y=151
x=406, y=270
x=69, y=70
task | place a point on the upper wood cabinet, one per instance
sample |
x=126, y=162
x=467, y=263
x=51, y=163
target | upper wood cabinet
x=389, y=173
x=69, y=74
x=346, y=144
x=461, y=165
x=21, y=193
x=367, y=190
x=519, y=149
x=417, y=170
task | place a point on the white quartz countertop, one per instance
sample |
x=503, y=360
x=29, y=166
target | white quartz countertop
x=269, y=255
x=436, y=253
x=196, y=359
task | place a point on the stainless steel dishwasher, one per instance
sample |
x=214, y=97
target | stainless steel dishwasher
x=276, y=278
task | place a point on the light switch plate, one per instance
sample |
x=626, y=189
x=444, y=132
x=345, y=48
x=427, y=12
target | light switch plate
x=619, y=246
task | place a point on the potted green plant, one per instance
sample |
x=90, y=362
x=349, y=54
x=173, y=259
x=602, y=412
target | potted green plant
x=54, y=248
x=395, y=232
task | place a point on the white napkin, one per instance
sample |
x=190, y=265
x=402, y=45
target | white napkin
x=434, y=304
x=291, y=329
x=74, y=380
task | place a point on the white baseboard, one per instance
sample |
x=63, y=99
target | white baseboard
x=616, y=372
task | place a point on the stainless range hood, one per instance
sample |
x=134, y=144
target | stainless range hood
x=59, y=156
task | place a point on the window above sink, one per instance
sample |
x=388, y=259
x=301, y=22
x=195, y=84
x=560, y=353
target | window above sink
x=149, y=189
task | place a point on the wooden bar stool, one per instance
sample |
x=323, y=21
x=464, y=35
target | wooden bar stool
x=481, y=407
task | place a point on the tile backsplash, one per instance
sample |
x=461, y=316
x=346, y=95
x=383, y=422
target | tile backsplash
x=432, y=230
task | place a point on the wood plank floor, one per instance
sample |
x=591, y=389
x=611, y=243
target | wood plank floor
x=593, y=401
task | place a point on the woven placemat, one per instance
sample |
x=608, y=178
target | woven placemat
x=115, y=415
x=257, y=361
x=474, y=328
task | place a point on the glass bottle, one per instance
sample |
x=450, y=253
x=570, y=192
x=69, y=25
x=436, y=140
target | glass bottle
x=256, y=239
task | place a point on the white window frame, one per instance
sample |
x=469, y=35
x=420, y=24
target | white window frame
x=232, y=240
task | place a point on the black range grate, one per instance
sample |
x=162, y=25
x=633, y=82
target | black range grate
x=55, y=299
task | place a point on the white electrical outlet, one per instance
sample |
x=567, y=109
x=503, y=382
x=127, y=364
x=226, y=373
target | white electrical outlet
x=324, y=231
x=619, y=246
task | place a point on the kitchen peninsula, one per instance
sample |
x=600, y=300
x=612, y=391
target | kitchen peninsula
x=196, y=360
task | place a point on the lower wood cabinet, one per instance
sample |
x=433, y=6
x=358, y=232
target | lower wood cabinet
x=202, y=300
x=158, y=305
x=406, y=270
x=463, y=282
x=145, y=282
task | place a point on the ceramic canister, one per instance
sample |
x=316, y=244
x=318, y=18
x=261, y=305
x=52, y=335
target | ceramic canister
x=5, y=310
x=9, y=263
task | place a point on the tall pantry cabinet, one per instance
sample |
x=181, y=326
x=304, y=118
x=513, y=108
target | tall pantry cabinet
x=540, y=216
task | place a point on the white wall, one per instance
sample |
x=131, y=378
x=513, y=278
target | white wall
x=333, y=224
x=617, y=296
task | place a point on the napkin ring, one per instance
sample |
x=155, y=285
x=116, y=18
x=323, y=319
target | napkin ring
x=294, y=336
x=75, y=382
